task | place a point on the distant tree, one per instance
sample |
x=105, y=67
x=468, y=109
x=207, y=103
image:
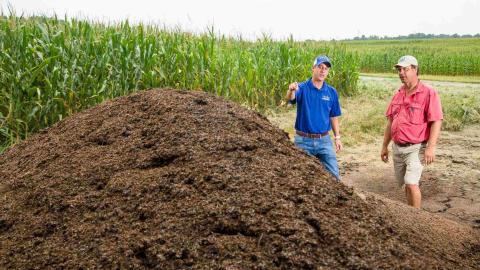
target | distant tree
x=415, y=36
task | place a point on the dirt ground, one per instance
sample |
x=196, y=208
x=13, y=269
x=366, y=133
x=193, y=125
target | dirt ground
x=450, y=186
x=169, y=179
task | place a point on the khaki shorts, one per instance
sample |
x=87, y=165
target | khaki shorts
x=407, y=162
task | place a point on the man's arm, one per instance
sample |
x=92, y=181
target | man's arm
x=336, y=133
x=432, y=141
x=387, y=137
x=291, y=91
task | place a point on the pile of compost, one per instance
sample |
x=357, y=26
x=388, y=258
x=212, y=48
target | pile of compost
x=173, y=179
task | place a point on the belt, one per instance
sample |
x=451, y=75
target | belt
x=404, y=144
x=408, y=144
x=312, y=135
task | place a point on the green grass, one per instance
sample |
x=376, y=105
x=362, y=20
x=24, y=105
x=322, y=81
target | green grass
x=448, y=56
x=441, y=78
x=460, y=110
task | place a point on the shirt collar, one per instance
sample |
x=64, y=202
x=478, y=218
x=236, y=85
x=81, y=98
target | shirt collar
x=310, y=82
x=418, y=88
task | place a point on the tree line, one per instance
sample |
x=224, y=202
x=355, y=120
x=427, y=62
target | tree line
x=415, y=36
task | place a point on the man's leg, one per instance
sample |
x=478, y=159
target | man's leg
x=322, y=149
x=326, y=155
x=408, y=170
x=399, y=167
x=414, y=196
x=412, y=176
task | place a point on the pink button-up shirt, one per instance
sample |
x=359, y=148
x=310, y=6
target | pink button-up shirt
x=412, y=115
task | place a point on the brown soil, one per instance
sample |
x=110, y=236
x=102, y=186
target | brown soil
x=175, y=179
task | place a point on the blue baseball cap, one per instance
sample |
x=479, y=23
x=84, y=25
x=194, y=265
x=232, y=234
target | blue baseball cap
x=322, y=59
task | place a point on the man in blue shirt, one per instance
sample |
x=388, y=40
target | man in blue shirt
x=318, y=110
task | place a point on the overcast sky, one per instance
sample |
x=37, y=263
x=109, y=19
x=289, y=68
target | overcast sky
x=304, y=19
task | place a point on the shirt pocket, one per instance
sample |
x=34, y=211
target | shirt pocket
x=396, y=107
x=416, y=114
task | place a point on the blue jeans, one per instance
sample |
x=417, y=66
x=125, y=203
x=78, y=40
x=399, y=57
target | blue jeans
x=322, y=149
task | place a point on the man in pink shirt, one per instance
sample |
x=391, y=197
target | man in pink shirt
x=414, y=122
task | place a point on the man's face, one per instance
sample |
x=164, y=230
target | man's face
x=407, y=74
x=320, y=72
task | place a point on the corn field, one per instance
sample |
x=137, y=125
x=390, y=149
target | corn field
x=51, y=68
x=453, y=57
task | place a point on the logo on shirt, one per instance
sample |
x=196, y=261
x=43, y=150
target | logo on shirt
x=326, y=98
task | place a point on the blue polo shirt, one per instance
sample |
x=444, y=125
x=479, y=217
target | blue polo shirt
x=315, y=107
